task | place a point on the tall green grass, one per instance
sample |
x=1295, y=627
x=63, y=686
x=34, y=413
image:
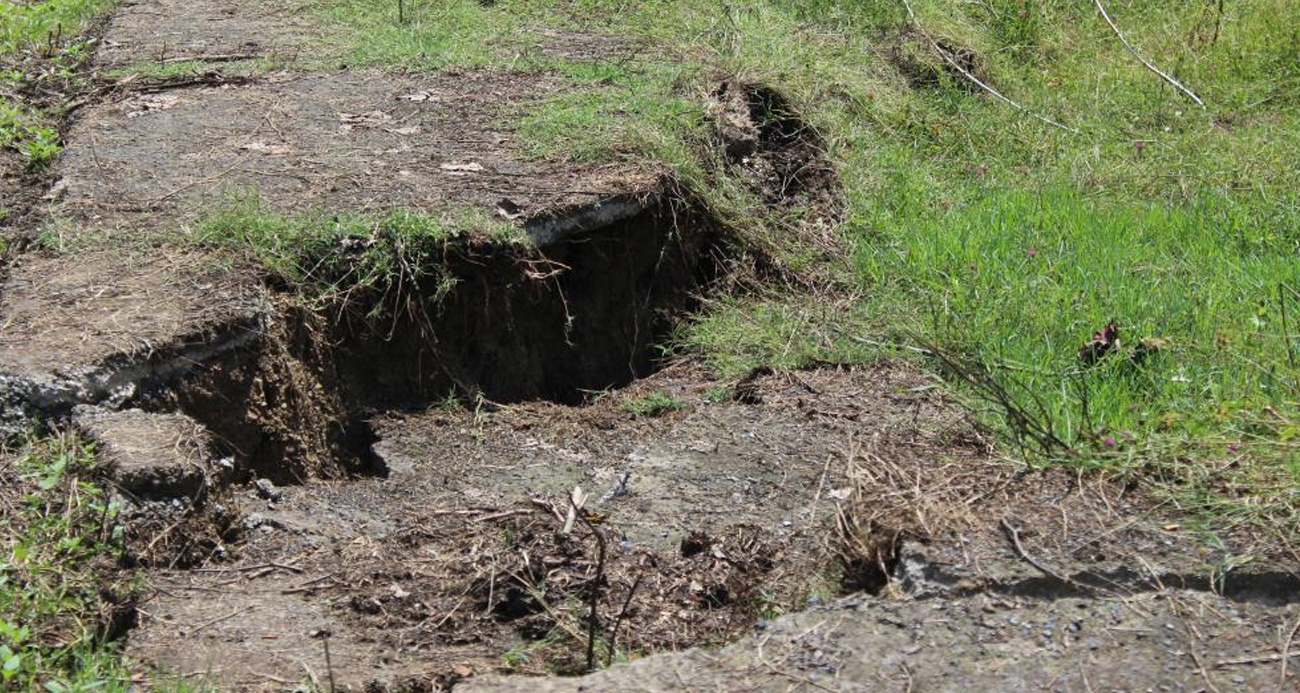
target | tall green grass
x=1020, y=279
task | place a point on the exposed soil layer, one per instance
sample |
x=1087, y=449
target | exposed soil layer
x=579, y=315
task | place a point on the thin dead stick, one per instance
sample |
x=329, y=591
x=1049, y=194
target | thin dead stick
x=1245, y=661
x=1286, y=655
x=329, y=664
x=1014, y=535
x=308, y=586
x=976, y=80
x=215, y=621
x=1200, y=667
x=593, y=618
x=1177, y=85
x=221, y=58
x=618, y=620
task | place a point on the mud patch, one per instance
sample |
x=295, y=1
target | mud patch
x=778, y=154
x=930, y=65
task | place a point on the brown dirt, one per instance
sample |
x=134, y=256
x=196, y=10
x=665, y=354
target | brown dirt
x=18, y=195
x=450, y=560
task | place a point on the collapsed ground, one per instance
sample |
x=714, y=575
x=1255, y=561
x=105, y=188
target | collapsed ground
x=325, y=323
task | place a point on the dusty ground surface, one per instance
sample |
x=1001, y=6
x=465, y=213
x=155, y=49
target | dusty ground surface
x=161, y=31
x=453, y=566
x=68, y=313
x=454, y=562
x=1170, y=640
x=350, y=141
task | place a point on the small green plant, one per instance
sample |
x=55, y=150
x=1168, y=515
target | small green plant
x=654, y=404
x=718, y=393
x=36, y=144
x=51, y=632
x=520, y=656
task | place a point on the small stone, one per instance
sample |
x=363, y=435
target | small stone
x=267, y=490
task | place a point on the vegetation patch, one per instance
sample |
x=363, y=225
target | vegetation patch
x=333, y=256
x=42, y=47
x=60, y=601
x=656, y=403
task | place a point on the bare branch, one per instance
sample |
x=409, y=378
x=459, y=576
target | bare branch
x=1177, y=85
x=975, y=80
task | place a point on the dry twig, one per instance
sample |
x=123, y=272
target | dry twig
x=976, y=80
x=1163, y=75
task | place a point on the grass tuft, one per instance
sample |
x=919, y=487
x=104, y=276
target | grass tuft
x=654, y=404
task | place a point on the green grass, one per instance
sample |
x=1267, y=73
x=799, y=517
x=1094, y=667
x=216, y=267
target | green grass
x=656, y=403
x=41, y=47
x=332, y=257
x=59, y=578
x=194, y=68
x=36, y=25
x=50, y=575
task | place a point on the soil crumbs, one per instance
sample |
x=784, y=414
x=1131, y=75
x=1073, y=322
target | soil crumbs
x=790, y=490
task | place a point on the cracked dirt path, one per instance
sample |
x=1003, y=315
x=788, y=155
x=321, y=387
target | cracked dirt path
x=449, y=568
